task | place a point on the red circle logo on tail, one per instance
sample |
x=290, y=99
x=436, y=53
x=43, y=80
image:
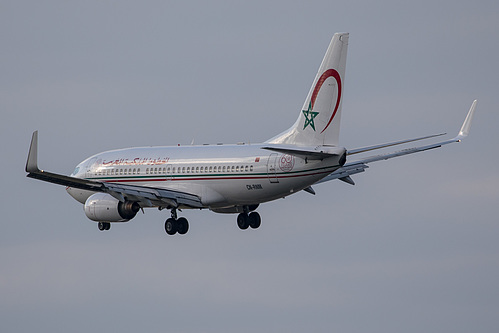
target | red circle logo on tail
x=318, y=85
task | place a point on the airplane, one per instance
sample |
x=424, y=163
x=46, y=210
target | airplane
x=114, y=185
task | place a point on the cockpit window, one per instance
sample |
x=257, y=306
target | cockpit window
x=76, y=171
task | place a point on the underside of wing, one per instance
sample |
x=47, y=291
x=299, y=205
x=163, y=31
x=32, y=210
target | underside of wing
x=152, y=196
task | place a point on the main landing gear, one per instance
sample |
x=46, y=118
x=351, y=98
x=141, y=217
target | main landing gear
x=245, y=220
x=174, y=225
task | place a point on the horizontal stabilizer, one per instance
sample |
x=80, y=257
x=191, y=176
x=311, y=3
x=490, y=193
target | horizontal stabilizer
x=311, y=153
x=309, y=190
x=345, y=172
x=347, y=180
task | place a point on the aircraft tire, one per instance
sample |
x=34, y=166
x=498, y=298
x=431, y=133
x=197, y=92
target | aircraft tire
x=182, y=226
x=104, y=226
x=243, y=221
x=171, y=226
x=254, y=220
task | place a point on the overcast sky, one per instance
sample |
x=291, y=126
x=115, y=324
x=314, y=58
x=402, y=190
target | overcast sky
x=412, y=247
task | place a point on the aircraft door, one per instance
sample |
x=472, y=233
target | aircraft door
x=169, y=172
x=272, y=168
x=89, y=167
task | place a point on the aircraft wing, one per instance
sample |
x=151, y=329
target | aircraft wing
x=360, y=165
x=146, y=196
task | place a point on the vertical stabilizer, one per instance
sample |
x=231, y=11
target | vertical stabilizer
x=319, y=120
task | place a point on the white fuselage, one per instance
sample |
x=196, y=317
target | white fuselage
x=222, y=176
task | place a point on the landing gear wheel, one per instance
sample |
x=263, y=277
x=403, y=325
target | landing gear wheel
x=182, y=226
x=171, y=226
x=254, y=220
x=104, y=226
x=243, y=221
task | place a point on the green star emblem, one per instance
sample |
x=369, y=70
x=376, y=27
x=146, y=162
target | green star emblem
x=309, y=117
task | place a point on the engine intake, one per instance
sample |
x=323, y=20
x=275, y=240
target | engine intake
x=102, y=207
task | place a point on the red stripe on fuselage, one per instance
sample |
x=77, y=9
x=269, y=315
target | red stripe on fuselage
x=162, y=179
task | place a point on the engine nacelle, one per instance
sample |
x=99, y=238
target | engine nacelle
x=102, y=207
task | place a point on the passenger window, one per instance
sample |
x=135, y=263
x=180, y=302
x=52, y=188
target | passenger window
x=197, y=169
x=251, y=168
x=188, y=169
x=246, y=168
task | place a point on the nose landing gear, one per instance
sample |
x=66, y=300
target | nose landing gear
x=104, y=226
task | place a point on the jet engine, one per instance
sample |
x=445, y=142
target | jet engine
x=102, y=207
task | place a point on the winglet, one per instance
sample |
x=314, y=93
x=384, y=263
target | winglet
x=465, y=129
x=32, y=162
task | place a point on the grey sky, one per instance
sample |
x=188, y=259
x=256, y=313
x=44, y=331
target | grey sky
x=412, y=247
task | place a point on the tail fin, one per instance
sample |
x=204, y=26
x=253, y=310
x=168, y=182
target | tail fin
x=319, y=120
